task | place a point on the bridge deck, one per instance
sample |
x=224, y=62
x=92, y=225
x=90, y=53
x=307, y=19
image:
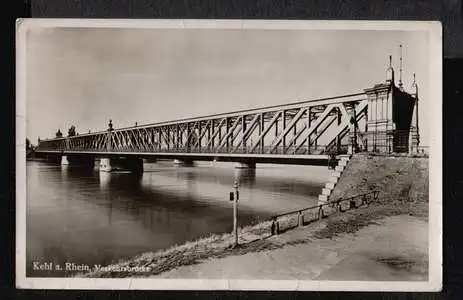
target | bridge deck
x=225, y=157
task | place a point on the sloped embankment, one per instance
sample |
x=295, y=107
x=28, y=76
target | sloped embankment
x=400, y=180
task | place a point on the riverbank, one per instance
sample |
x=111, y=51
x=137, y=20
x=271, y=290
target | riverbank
x=380, y=251
x=404, y=198
x=340, y=230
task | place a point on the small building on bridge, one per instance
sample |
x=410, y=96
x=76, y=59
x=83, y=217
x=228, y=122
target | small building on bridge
x=390, y=127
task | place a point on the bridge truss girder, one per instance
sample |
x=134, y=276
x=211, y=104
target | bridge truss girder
x=305, y=128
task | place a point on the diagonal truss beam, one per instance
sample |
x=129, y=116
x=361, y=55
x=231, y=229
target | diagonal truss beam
x=266, y=130
x=230, y=131
x=216, y=132
x=318, y=122
x=203, y=132
x=248, y=130
x=287, y=129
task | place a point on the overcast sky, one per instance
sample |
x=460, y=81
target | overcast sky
x=84, y=77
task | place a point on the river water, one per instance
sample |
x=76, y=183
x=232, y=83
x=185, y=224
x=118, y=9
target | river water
x=86, y=217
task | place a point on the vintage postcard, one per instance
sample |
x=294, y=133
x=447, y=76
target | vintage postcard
x=229, y=155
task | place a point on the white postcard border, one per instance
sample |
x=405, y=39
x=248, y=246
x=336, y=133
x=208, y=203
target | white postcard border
x=434, y=282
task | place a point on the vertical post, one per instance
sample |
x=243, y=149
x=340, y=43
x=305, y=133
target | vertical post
x=243, y=130
x=180, y=139
x=108, y=138
x=232, y=134
x=151, y=137
x=177, y=138
x=416, y=135
x=226, y=132
x=235, y=213
x=220, y=133
x=294, y=136
x=352, y=133
x=355, y=132
x=187, y=140
x=417, y=120
x=375, y=138
x=209, y=132
x=366, y=137
x=352, y=204
x=284, y=127
x=309, y=122
x=199, y=135
x=320, y=212
x=275, y=229
x=315, y=134
x=108, y=142
x=168, y=138
x=66, y=144
x=261, y=129
x=338, y=138
x=171, y=137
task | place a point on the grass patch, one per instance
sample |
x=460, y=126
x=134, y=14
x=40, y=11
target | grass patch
x=215, y=245
x=352, y=221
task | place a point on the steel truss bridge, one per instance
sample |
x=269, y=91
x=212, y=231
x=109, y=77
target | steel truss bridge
x=307, y=132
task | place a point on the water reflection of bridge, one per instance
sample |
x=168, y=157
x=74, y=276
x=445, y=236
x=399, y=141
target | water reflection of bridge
x=171, y=210
x=158, y=210
x=247, y=178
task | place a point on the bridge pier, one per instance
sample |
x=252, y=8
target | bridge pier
x=242, y=165
x=183, y=163
x=134, y=165
x=64, y=160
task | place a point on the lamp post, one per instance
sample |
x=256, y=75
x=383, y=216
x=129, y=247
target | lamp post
x=234, y=196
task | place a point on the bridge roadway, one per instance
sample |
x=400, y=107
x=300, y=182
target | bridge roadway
x=247, y=158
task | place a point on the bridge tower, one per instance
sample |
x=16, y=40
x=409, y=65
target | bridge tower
x=389, y=116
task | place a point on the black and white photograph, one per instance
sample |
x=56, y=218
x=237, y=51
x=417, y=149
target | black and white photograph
x=229, y=155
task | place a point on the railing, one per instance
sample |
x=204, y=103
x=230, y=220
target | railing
x=314, y=150
x=423, y=149
x=392, y=141
x=317, y=212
